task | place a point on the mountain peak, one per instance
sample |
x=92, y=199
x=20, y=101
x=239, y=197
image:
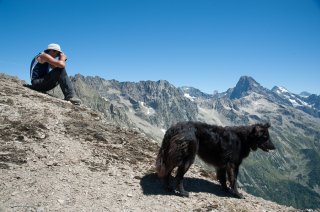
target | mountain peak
x=305, y=94
x=247, y=80
x=244, y=86
x=194, y=92
x=284, y=93
x=280, y=89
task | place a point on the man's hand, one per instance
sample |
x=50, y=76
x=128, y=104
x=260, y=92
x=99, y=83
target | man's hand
x=63, y=57
x=44, y=57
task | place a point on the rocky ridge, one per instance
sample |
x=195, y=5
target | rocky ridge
x=148, y=106
x=308, y=104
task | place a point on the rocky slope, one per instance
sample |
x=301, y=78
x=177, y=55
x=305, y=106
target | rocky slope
x=55, y=156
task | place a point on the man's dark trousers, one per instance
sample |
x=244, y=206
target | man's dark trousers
x=52, y=79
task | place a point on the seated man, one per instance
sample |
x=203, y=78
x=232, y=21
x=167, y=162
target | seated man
x=48, y=70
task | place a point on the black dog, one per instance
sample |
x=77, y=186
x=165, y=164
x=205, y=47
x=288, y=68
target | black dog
x=222, y=147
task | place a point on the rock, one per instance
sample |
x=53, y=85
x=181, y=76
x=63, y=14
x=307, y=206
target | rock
x=40, y=209
x=61, y=201
x=52, y=163
x=15, y=193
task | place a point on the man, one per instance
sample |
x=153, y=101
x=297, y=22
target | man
x=48, y=70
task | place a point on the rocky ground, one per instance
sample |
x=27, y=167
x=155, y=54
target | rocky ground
x=55, y=156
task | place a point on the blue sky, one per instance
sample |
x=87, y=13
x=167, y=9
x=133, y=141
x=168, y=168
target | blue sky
x=207, y=44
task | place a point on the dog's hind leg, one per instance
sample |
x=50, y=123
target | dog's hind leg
x=179, y=177
x=166, y=182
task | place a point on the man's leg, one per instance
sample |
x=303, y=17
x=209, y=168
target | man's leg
x=52, y=79
x=65, y=84
x=46, y=83
x=67, y=88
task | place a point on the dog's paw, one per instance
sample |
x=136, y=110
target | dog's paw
x=184, y=193
x=236, y=194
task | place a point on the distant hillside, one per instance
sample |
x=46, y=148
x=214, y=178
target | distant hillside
x=55, y=156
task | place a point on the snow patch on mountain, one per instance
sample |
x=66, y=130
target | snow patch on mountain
x=147, y=110
x=294, y=99
x=192, y=98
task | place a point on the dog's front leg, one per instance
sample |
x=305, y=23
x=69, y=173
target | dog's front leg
x=221, y=175
x=232, y=170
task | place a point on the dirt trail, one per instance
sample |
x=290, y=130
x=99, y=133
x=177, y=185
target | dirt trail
x=55, y=156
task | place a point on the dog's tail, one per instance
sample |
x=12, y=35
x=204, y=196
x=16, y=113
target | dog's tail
x=160, y=166
x=168, y=156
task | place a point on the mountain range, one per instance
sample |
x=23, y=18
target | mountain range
x=289, y=175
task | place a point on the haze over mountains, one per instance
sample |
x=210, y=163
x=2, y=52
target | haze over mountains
x=290, y=175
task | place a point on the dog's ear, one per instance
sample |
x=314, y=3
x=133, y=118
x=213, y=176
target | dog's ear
x=267, y=125
x=254, y=129
x=257, y=129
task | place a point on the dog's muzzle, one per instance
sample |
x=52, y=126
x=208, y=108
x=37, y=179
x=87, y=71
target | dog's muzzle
x=266, y=146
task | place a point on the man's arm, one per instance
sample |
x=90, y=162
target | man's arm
x=44, y=57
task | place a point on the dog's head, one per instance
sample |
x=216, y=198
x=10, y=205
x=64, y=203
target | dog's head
x=260, y=138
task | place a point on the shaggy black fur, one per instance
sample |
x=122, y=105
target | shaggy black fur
x=222, y=147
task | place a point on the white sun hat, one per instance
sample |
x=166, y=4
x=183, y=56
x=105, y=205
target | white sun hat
x=54, y=46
